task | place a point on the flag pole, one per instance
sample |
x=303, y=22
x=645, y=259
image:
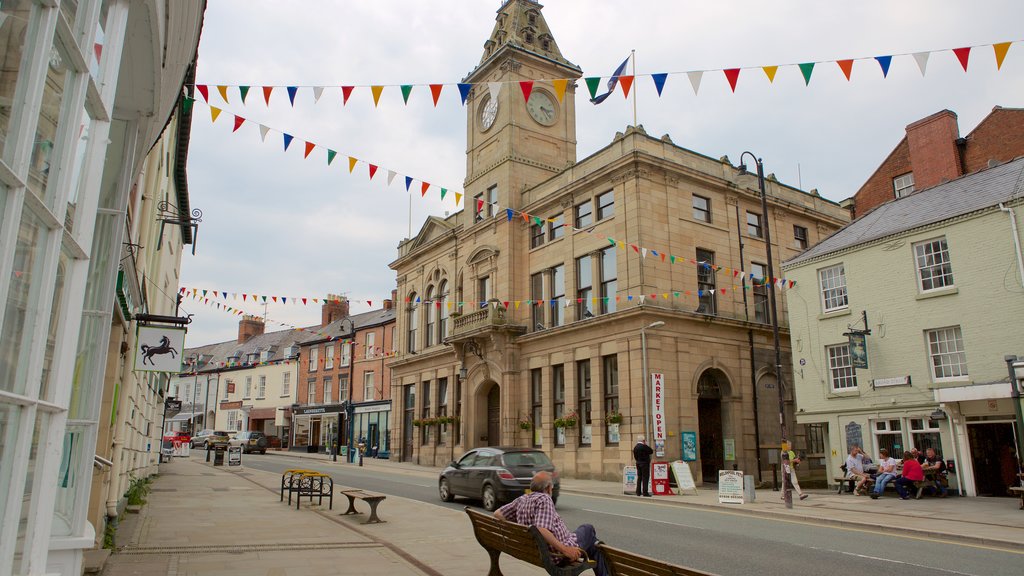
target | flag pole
x=632, y=55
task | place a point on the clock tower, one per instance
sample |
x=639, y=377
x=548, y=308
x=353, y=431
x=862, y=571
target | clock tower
x=514, y=143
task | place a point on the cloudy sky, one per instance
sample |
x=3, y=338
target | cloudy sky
x=277, y=224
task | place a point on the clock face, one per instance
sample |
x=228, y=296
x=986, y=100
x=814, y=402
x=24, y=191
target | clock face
x=488, y=113
x=541, y=108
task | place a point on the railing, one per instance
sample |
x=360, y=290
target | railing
x=492, y=315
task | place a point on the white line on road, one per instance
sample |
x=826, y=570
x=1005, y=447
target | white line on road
x=866, y=557
x=641, y=518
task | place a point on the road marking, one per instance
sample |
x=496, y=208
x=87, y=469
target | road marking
x=866, y=557
x=936, y=539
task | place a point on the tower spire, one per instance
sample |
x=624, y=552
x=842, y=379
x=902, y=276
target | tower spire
x=520, y=25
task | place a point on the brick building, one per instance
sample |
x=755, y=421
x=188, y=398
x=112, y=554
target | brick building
x=932, y=152
x=507, y=324
x=344, y=392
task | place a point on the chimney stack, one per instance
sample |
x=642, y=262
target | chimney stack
x=934, y=155
x=334, y=308
x=390, y=303
x=248, y=327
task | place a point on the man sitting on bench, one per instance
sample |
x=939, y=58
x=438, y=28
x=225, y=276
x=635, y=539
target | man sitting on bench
x=537, y=509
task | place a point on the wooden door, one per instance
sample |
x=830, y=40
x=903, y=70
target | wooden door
x=712, y=449
x=494, y=416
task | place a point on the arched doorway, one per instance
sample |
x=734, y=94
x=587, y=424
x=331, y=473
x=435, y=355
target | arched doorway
x=494, y=416
x=709, y=419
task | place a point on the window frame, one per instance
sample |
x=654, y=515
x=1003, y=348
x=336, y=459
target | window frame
x=707, y=282
x=536, y=406
x=604, y=211
x=800, y=237
x=960, y=366
x=755, y=229
x=698, y=211
x=584, y=401
x=608, y=286
x=762, y=310
x=610, y=386
x=583, y=219
x=900, y=186
x=833, y=354
x=824, y=292
x=941, y=261
x=558, y=400
x=556, y=227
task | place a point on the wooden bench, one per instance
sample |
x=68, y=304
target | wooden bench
x=522, y=542
x=1019, y=491
x=288, y=481
x=623, y=563
x=315, y=485
x=869, y=485
x=371, y=498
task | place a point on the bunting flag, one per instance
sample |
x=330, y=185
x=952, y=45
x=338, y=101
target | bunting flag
x=214, y=113
x=238, y=123
x=1000, y=50
x=309, y=148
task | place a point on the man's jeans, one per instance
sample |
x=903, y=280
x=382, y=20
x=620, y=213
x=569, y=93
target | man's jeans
x=881, y=481
x=586, y=538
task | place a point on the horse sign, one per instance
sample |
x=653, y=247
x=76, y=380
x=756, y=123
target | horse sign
x=158, y=349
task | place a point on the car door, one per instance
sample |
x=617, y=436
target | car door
x=482, y=469
x=458, y=477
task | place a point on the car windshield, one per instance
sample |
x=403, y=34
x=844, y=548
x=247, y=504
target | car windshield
x=221, y=433
x=526, y=459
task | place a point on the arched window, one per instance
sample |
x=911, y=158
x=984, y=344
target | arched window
x=430, y=313
x=413, y=323
x=442, y=323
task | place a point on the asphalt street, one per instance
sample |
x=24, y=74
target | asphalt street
x=719, y=541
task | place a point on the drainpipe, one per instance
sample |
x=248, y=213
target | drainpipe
x=115, y=489
x=1016, y=240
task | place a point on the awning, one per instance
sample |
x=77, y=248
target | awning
x=184, y=416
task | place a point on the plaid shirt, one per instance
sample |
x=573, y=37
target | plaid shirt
x=537, y=509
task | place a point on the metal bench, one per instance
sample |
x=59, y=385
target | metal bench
x=623, y=563
x=521, y=542
x=315, y=485
x=371, y=498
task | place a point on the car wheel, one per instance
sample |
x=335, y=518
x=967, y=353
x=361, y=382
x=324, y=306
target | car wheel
x=490, y=499
x=206, y=445
x=445, y=491
x=262, y=452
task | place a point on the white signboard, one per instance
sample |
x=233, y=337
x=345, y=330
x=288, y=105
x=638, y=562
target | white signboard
x=658, y=412
x=629, y=480
x=684, y=479
x=897, y=381
x=158, y=349
x=234, y=455
x=730, y=487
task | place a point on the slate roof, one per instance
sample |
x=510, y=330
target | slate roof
x=280, y=340
x=964, y=195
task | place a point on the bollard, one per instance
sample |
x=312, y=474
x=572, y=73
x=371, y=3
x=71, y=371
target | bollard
x=207, y=451
x=775, y=478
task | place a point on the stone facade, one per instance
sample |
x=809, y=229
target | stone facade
x=509, y=323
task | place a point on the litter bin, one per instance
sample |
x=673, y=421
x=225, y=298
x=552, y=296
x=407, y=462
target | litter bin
x=218, y=454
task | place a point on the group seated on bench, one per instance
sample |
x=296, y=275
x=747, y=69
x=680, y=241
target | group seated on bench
x=914, y=474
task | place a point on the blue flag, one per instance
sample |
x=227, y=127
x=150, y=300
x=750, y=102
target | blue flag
x=612, y=82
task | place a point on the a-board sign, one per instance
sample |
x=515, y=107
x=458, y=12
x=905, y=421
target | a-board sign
x=730, y=487
x=235, y=456
x=629, y=480
x=659, y=479
x=684, y=479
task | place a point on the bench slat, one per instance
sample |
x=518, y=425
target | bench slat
x=623, y=563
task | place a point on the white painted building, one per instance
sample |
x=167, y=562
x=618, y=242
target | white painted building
x=86, y=89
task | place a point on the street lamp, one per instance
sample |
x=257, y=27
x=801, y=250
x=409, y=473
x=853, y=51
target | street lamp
x=194, y=361
x=787, y=488
x=1016, y=369
x=647, y=377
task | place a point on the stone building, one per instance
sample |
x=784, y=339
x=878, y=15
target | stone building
x=508, y=322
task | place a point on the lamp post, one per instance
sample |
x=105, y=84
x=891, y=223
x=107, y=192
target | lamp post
x=194, y=361
x=647, y=377
x=1016, y=369
x=787, y=487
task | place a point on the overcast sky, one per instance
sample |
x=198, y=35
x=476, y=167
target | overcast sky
x=277, y=224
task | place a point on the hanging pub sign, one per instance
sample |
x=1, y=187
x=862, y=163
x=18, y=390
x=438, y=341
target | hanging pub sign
x=858, y=350
x=158, y=349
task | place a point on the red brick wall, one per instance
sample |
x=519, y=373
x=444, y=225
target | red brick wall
x=878, y=189
x=933, y=150
x=1000, y=136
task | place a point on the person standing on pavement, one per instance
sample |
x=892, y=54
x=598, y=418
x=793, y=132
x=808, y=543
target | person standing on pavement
x=642, y=454
x=536, y=508
x=886, y=473
x=794, y=460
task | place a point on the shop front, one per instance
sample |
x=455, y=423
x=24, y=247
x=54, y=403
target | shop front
x=371, y=427
x=316, y=428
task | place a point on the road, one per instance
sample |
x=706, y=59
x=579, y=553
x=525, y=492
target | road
x=719, y=541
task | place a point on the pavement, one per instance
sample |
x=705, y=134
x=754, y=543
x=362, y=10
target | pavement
x=252, y=532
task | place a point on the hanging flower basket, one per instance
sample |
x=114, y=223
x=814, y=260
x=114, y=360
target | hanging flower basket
x=567, y=421
x=525, y=424
x=613, y=418
x=417, y=422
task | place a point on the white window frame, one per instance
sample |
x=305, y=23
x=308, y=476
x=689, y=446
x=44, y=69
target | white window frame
x=884, y=427
x=314, y=357
x=369, y=385
x=840, y=368
x=946, y=346
x=346, y=354
x=311, y=391
x=286, y=384
x=261, y=387
x=371, y=345
x=328, y=356
x=328, y=397
x=833, y=288
x=248, y=388
x=903, y=185
x=933, y=255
